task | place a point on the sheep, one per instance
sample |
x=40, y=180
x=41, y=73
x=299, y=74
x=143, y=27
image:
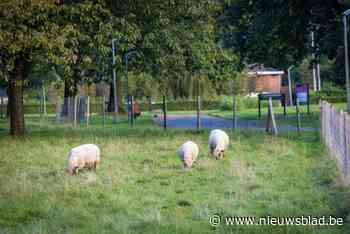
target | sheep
x=188, y=153
x=218, y=143
x=83, y=156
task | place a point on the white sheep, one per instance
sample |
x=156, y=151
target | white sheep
x=83, y=156
x=218, y=143
x=188, y=153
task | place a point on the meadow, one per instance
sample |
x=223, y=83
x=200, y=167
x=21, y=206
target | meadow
x=140, y=186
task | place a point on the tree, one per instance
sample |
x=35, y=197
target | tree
x=277, y=33
x=26, y=28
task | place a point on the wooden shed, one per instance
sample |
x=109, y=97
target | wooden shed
x=265, y=80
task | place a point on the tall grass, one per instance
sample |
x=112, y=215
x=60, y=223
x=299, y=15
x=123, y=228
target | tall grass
x=140, y=186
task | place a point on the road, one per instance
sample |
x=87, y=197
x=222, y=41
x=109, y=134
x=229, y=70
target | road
x=211, y=122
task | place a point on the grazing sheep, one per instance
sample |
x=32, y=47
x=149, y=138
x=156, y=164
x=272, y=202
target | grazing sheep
x=83, y=156
x=218, y=143
x=188, y=153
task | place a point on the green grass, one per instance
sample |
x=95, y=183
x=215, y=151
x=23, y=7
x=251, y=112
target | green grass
x=141, y=187
x=307, y=120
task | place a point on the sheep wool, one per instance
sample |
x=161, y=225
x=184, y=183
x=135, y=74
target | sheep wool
x=218, y=143
x=188, y=153
x=83, y=156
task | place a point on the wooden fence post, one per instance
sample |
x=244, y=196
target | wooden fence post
x=346, y=145
x=104, y=110
x=164, y=113
x=87, y=111
x=131, y=109
x=75, y=110
x=298, y=114
x=2, y=107
x=234, y=112
x=271, y=119
x=198, y=113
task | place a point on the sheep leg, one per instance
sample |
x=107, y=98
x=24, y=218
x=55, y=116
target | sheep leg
x=211, y=150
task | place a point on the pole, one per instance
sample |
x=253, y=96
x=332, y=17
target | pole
x=128, y=98
x=319, y=76
x=88, y=111
x=44, y=99
x=313, y=60
x=234, y=110
x=115, y=81
x=132, y=110
x=2, y=107
x=346, y=62
x=126, y=58
x=104, y=111
x=290, y=86
x=75, y=110
x=164, y=112
x=298, y=115
x=198, y=113
x=234, y=107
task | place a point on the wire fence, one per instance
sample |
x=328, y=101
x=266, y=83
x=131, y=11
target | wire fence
x=335, y=132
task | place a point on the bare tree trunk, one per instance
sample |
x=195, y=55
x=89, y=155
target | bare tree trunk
x=17, y=126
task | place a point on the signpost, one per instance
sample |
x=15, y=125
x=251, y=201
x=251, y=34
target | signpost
x=302, y=93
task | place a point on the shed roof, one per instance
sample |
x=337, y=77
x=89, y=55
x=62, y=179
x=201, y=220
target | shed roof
x=262, y=70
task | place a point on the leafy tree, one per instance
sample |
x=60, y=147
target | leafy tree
x=26, y=29
x=277, y=33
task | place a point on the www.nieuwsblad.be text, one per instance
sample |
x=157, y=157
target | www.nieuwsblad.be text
x=216, y=220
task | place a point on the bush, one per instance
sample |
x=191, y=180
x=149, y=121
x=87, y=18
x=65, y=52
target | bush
x=243, y=102
x=330, y=93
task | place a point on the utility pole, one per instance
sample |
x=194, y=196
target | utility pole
x=128, y=100
x=313, y=60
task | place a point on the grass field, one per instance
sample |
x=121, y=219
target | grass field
x=141, y=187
x=311, y=120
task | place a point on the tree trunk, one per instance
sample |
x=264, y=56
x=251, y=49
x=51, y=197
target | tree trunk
x=110, y=107
x=70, y=90
x=8, y=102
x=17, y=126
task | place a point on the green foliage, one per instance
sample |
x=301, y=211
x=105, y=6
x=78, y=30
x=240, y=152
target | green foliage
x=277, y=33
x=243, y=103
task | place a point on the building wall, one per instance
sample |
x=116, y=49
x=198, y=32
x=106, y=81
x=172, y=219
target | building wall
x=268, y=83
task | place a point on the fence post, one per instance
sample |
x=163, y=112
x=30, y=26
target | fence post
x=234, y=112
x=132, y=110
x=164, y=112
x=75, y=110
x=298, y=114
x=150, y=104
x=104, y=110
x=44, y=100
x=346, y=144
x=2, y=107
x=198, y=113
x=87, y=111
